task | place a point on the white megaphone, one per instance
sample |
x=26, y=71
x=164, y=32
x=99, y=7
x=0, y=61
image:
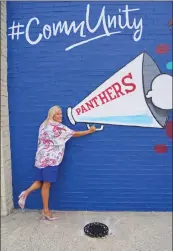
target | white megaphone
x=136, y=95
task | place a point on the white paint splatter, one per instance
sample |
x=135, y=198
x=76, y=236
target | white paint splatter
x=161, y=92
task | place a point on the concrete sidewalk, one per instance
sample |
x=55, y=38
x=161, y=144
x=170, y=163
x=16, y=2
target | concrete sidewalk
x=128, y=232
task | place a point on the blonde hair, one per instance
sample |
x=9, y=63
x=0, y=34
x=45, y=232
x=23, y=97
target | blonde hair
x=52, y=111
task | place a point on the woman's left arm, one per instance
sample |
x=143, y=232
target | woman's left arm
x=83, y=133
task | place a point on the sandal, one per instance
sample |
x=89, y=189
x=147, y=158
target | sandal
x=46, y=217
x=21, y=201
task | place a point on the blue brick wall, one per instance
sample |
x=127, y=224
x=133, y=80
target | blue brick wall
x=116, y=169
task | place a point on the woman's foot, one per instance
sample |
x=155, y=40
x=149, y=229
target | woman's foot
x=22, y=199
x=47, y=212
x=47, y=215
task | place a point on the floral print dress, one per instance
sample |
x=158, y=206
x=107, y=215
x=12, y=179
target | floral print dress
x=51, y=144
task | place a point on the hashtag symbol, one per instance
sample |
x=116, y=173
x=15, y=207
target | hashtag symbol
x=16, y=30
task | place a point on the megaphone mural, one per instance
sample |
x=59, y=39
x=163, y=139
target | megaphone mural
x=137, y=95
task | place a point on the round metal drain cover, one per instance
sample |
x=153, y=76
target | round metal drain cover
x=96, y=229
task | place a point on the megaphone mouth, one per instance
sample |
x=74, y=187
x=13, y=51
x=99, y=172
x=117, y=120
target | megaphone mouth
x=70, y=116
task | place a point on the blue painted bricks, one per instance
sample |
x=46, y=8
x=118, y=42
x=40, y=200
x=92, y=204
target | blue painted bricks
x=113, y=170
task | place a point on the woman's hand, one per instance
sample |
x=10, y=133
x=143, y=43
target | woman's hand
x=83, y=133
x=92, y=129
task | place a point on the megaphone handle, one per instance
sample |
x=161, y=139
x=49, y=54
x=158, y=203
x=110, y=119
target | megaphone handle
x=97, y=129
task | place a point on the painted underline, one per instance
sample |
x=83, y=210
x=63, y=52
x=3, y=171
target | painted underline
x=91, y=39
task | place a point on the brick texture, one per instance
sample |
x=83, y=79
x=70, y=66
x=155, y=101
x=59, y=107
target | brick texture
x=6, y=177
x=116, y=169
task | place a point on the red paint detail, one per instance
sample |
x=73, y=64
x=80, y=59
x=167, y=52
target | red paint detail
x=160, y=148
x=162, y=48
x=105, y=96
x=132, y=85
x=169, y=129
x=171, y=22
x=78, y=110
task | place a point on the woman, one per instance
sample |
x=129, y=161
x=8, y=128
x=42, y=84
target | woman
x=50, y=151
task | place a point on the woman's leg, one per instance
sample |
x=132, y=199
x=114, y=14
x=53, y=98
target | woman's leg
x=36, y=185
x=49, y=177
x=45, y=197
x=22, y=198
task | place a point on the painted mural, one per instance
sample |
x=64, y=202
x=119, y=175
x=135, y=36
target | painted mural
x=111, y=25
x=143, y=102
x=107, y=64
x=133, y=96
